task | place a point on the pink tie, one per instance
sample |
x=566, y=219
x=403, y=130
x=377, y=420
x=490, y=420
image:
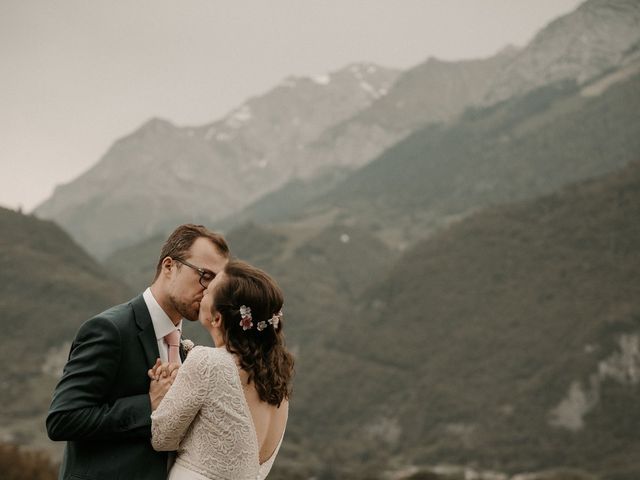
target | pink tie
x=173, y=342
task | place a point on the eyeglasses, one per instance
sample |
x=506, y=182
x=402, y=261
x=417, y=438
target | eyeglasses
x=206, y=276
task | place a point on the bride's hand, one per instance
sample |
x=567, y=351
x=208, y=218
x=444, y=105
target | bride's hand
x=160, y=385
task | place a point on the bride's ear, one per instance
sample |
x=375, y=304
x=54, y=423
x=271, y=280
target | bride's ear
x=216, y=320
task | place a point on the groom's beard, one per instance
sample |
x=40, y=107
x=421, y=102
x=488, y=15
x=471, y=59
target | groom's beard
x=190, y=311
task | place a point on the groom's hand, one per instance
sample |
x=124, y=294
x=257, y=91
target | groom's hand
x=162, y=370
x=152, y=371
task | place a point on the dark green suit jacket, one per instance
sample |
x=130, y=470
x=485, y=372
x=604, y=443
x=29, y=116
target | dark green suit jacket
x=101, y=405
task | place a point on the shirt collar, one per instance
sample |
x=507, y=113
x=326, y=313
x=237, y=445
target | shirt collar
x=162, y=324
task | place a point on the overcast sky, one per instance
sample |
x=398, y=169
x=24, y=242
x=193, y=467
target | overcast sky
x=76, y=74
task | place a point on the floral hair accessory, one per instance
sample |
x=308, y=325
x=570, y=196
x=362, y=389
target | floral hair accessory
x=275, y=319
x=187, y=345
x=246, y=320
x=245, y=317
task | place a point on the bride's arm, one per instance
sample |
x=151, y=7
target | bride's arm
x=170, y=421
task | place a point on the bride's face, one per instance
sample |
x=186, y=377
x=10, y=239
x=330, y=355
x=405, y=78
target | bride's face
x=207, y=312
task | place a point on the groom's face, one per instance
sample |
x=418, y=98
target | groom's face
x=185, y=289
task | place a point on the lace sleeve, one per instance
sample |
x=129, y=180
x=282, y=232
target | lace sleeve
x=182, y=402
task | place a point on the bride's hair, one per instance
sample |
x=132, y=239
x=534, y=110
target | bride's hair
x=261, y=351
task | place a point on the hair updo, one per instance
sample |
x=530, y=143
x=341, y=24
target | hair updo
x=262, y=353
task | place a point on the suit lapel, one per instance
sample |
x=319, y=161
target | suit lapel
x=183, y=353
x=147, y=335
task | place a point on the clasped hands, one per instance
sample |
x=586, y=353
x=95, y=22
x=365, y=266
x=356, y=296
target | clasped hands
x=162, y=376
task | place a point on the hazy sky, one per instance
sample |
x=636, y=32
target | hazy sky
x=76, y=74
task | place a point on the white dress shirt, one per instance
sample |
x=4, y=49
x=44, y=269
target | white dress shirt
x=162, y=324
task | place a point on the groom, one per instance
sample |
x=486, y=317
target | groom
x=103, y=402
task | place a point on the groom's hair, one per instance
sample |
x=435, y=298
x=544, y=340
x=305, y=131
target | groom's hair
x=180, y=241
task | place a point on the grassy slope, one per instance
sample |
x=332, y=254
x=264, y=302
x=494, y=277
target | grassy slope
x=479, y=332
x=48, y=287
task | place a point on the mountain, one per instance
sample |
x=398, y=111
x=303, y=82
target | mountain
x=161, y=174
x=48, y=287
x=581, y=46
x=576, y=49
x=521, y=148
x=507, y=342
x=435, y=91
x=283, y=203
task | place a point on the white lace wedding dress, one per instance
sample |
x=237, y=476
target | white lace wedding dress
x=206, y=418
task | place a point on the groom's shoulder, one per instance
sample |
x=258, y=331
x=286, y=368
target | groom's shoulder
x=120, y=316
x=119, y=313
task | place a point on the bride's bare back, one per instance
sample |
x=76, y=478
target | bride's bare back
x=269, y=420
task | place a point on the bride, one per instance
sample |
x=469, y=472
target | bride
x=227, y=409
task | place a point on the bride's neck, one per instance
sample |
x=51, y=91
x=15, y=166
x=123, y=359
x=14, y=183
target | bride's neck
x=217, y=337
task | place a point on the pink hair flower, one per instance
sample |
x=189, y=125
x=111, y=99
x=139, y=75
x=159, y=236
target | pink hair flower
x=245, y=317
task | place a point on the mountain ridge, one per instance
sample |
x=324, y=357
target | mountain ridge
x=506, y=152
x=162, y=174
x=586, y=43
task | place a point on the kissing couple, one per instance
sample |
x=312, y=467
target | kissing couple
x=137, y=402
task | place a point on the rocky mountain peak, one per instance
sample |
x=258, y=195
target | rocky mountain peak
x=578, y=46
x=157, y=124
